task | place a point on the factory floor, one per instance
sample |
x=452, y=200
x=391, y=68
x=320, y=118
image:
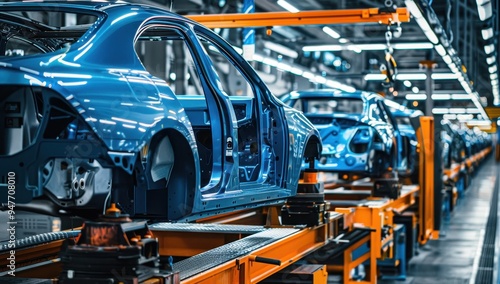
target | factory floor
x=459, y=255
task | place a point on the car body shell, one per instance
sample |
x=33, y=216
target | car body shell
x=408, y=124
x=101, y=81
x=369, y=126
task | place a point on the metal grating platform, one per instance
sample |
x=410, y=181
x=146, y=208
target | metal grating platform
x=206, y=228
x=212, y=258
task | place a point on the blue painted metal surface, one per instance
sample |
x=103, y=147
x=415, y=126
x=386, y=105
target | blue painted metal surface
x=356, y=129
x=86, y=107
x=407, y=123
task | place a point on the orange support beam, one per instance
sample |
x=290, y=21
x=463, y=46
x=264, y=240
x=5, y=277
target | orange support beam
x=426, y=180
x=322, y=17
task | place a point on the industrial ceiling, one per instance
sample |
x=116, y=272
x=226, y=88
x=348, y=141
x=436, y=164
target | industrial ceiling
x=453, y=41
x=449, y=37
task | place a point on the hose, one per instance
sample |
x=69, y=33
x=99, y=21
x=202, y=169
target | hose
x=37, y=240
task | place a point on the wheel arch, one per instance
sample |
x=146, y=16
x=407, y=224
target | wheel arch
x=183, y=182
x=313, y=147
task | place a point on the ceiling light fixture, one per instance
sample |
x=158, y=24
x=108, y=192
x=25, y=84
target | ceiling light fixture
x=460, y=97
x=479, y=122
x=373, y=46
x=445, y=76
x=450, y=116
x=439, y=110
x=416, y=97
x=490, y=60
x=457, y=110
x=415, y=76
x=331, y=32
x=375, y=77
x=440, y=50
x=487, y=33
x=463, y=117
x=281, y=49
x=287, y=6
x=447, y=59
x=414, y=45
x=421, y=21
x=489, y=48
x=441, y=97
x=473, y=110
x=484, y=10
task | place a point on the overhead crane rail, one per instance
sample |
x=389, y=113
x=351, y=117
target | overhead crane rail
x=322, y=17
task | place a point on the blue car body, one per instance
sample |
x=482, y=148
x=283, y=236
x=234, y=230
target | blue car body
x=356, y=128
x=86, y=123
x=407, y=123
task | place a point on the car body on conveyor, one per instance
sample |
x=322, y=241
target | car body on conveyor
x=408, y=123
x=88, y=118
x=357, y=129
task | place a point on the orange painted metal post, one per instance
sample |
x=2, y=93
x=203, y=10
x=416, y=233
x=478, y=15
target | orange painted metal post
x=321, y=17
x=426, y=197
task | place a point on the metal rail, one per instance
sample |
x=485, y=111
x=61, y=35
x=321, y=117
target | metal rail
x=323, y=17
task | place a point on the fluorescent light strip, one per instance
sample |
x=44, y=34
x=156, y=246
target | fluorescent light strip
x=441, y=97
x=440, y=110
x=473, y=110
x=460, y=97
x=487, y=33
x=444, y=76
x=457, y=110
x=373, y=46
x=440, y=50
x=479, y=122
x=489, y=48
x=416, y=97
x=375, y=77
x=287, y=6
x=415, y=45
x=490, y=60
x=303, y=72
x=329, y=31
x=450, y=116
x=281, y=49
x=484, y=11
x=415, y=76
x=463, y=117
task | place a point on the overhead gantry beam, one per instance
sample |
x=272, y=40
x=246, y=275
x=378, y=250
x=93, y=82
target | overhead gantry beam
x=321, y=17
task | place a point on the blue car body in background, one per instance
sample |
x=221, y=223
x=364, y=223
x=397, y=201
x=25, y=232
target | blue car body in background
x=408, y=124
x=89, y=121
x=357, y=129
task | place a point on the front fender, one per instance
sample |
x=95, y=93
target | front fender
x=301, y=133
